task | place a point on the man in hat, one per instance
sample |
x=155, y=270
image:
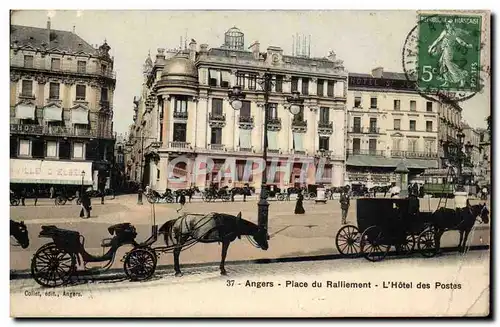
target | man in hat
x=86, y=205
x=344, y=204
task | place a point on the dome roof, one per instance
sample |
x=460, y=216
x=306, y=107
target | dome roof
x=179, y=68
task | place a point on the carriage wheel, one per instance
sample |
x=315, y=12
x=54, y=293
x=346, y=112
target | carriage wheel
x=347, y=240
x=427, y=242
x=14, y=202
x=170, y=199
x=52, y=266
x=280, y=197
x=60, y=201
x=306, y=196
x=407, y=247
x=151, y=199
x=312, y=195
x=372, y=244
x=140, y=264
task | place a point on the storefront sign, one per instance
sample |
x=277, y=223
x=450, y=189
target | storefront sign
x=50, y=172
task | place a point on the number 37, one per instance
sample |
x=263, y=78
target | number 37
x=427, y=73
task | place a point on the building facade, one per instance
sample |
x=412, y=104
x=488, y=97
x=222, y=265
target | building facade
x=61, y=99
x=473, y=136
x=184, y=121
x=450, y=124
x=485, y=157
x=388, y=122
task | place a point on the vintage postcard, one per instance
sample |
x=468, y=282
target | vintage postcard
x=322, y=163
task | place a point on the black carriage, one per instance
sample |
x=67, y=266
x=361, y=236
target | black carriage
x=384, y=223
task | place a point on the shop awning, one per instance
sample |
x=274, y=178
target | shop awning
x=372, y=161
x=52, y=113
x=25, y=111
x=298, y=143
x=245, y=138
x=272, y=140
x=80, y=116
x=50, y=172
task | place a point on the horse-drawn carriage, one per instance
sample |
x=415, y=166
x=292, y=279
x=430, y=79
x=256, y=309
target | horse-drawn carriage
x=383, y=223
x=55, y=263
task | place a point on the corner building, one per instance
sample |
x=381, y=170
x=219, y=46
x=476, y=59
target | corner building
x=61, y=109
x=184, y=111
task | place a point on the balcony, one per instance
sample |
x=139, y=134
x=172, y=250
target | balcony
x=325, y=127
x=324, y=153
x=274, y=124
x=246, y=119
x=26, y=95
x=64, y=68
x=217, y=120
x=372, y=130
x=104, y=104
x=180, y=114
x=413, y=154
x=179, y=145
x=356, y=130
x=217, y=147
x=366, y=152
x=299, y=126
x=240, y=149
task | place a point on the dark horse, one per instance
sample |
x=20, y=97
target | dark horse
x=462, y=219
x=189, y=229
x=20, y=233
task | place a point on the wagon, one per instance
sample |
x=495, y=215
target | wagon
x=384, y=223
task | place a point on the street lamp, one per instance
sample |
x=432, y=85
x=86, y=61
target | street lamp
x=235, y=97
x=460, y=160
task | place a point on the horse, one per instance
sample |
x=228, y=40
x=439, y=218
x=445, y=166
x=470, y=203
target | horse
x=190, y=229
x=187, y=192
x=462, y=220
x=20, y=233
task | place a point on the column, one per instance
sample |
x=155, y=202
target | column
x=258, y=131
x=233, y=78
x=201, y=122
x=287, y=84
x=299, y=85
x=313, y=88
x=191, y=124
x=167, y=121
x=325, y=88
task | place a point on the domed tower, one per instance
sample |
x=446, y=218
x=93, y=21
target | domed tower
x=179, y=76
x=234, y=39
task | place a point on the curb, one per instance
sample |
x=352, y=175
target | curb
x=26, y=274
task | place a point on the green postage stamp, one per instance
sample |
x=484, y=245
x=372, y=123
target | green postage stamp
x=449, y=48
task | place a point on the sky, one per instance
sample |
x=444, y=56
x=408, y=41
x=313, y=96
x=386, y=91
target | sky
x=362, y=39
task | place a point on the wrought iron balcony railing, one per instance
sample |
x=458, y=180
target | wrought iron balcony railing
x=414, y=154
x=246, y=119
x=217, y=117
x=366, y=152
x=181, y=114
x=64, y=67
x=217, y=147
x=325, y=124
x=179, y=145
x=299, y=123
x=56, y=131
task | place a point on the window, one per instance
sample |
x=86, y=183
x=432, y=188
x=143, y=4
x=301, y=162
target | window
x=24, y=148
x=272, y=112
x=357, y=102
x=279, y=83
x=320, y=87
x=55, y=64
x=28, y=61
x=179, y=132
x=81, y=66
x=357, y=125
x=324, y=115
x=104, y=94
x=428, y=126
x=157, y=174
x=27, y=88
x=373, y=103
x=372, y=146
x=373, y=125
x=64, y=149
x=329, y=88
x=224, y=79
x=295, y=84
x=305, y=86
x=78, y=150
x=161, y=131
x=413, y=125
x=356, y=145
x=397, y=105
x=252, y=82
x=216, y=106
x=412, y=145
x=396, y=144
x=216, y=136
x=429, y=106
x=104, y=69
x=413, y=105
x=37, y=148
x=324, y=143
x=397, y=124
x=245, y=110
x=180, y=104
x=54, y=91
x=80, y=92
x=13, y=147
x=51, y=149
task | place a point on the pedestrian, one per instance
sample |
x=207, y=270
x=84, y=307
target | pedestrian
x=86, y=205
x=299, y=206
x=52, y=192
x=344, y=205
x=23, y=196
x=246, y=191
x=182, y=201
x=35, y=194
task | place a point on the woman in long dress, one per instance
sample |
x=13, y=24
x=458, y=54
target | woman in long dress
x=299, y=206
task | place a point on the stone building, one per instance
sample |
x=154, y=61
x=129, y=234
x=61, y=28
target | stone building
x=388, y=121
x=473, y=136
x=61, y=99
x=184, y=112
x=450, y=118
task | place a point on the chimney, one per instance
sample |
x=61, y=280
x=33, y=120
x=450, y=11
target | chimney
x=255, y=48
x=48, y=31
x=192, y=50
x=378, y=72
x=203, y=48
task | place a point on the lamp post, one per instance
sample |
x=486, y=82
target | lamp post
x=235, y=97
x=460, y=161
x=402, y=171
x=83, y=176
